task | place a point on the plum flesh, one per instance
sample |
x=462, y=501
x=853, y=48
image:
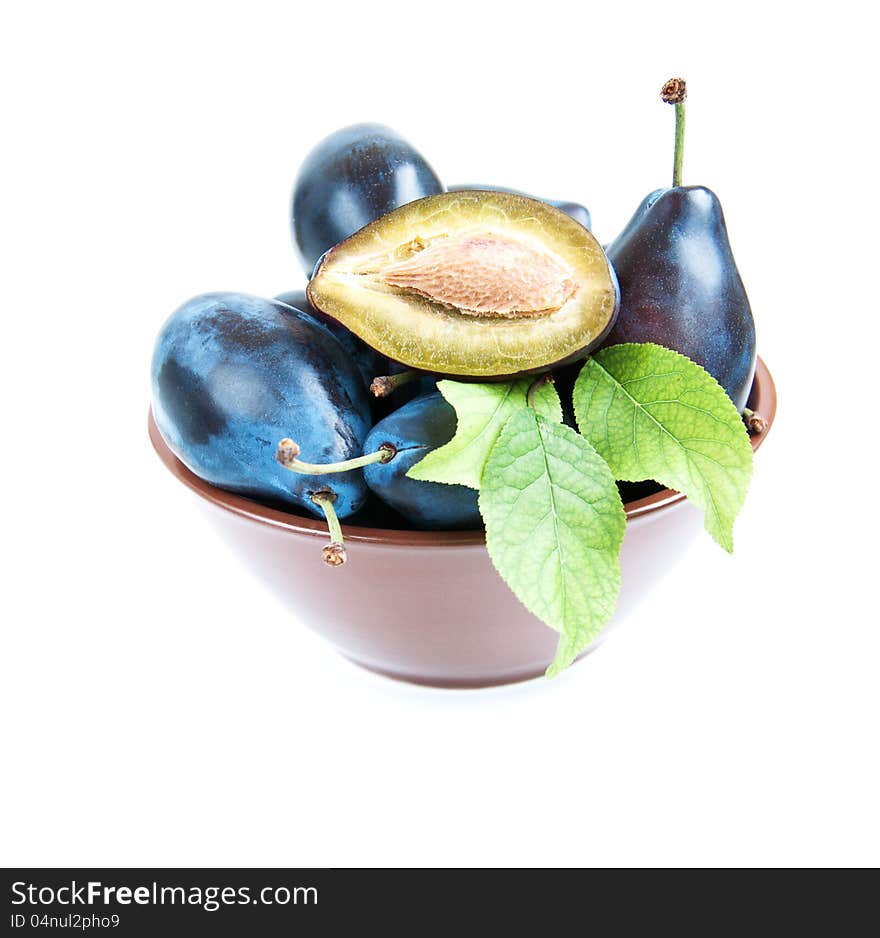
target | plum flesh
x=474, y=284
x=580, y=213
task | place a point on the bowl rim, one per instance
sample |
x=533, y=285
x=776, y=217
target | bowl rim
x=762, y=399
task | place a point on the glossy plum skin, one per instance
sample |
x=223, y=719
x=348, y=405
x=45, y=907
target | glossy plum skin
x=680, y=287
x=369, y=362
x=233, y=374
x=351, y=178
x=580, y=213
x=413, y=430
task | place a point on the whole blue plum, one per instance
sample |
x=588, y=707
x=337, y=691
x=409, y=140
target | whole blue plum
x=680, y=286
x=370, y=363
x=234, y=374
x=351, y=178
x=580, y=213
x=416, y=428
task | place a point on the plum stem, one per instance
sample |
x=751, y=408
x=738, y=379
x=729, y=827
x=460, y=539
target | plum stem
x=288, y=451
x=333, y=554
x=386, y=384
x=679, y=144
x=536, y=386
x=675, y=92
x=755, y=423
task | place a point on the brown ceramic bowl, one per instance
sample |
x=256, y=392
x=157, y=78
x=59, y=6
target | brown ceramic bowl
x=428, y=606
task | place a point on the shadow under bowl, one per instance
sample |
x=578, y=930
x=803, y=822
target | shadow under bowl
x=428, y=606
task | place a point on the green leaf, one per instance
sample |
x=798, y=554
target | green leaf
x=482, y=411
x=654, y=414
x=554, y=526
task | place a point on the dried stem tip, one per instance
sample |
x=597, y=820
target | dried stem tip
x=674, y=91
x=386, y=384
x=287, y=451
x=755, y=423
x=333, y=555
x=381, y=386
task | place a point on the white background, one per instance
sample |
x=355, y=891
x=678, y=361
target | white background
x=158, y=709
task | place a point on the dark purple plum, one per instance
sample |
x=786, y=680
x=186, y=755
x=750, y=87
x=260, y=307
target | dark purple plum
x=680, y=287
x=580, y=213
x=679, y=283
x=413, y=431
x=351, y=178
x=234, y=374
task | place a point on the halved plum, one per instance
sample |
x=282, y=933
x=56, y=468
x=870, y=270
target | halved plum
x=477, y=284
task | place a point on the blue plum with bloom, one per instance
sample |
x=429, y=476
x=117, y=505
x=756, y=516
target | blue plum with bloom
x=233, y=374
x=416, y=428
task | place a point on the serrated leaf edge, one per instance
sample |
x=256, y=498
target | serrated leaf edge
x=440, y=449
x=557, y=665
x=724, y=537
